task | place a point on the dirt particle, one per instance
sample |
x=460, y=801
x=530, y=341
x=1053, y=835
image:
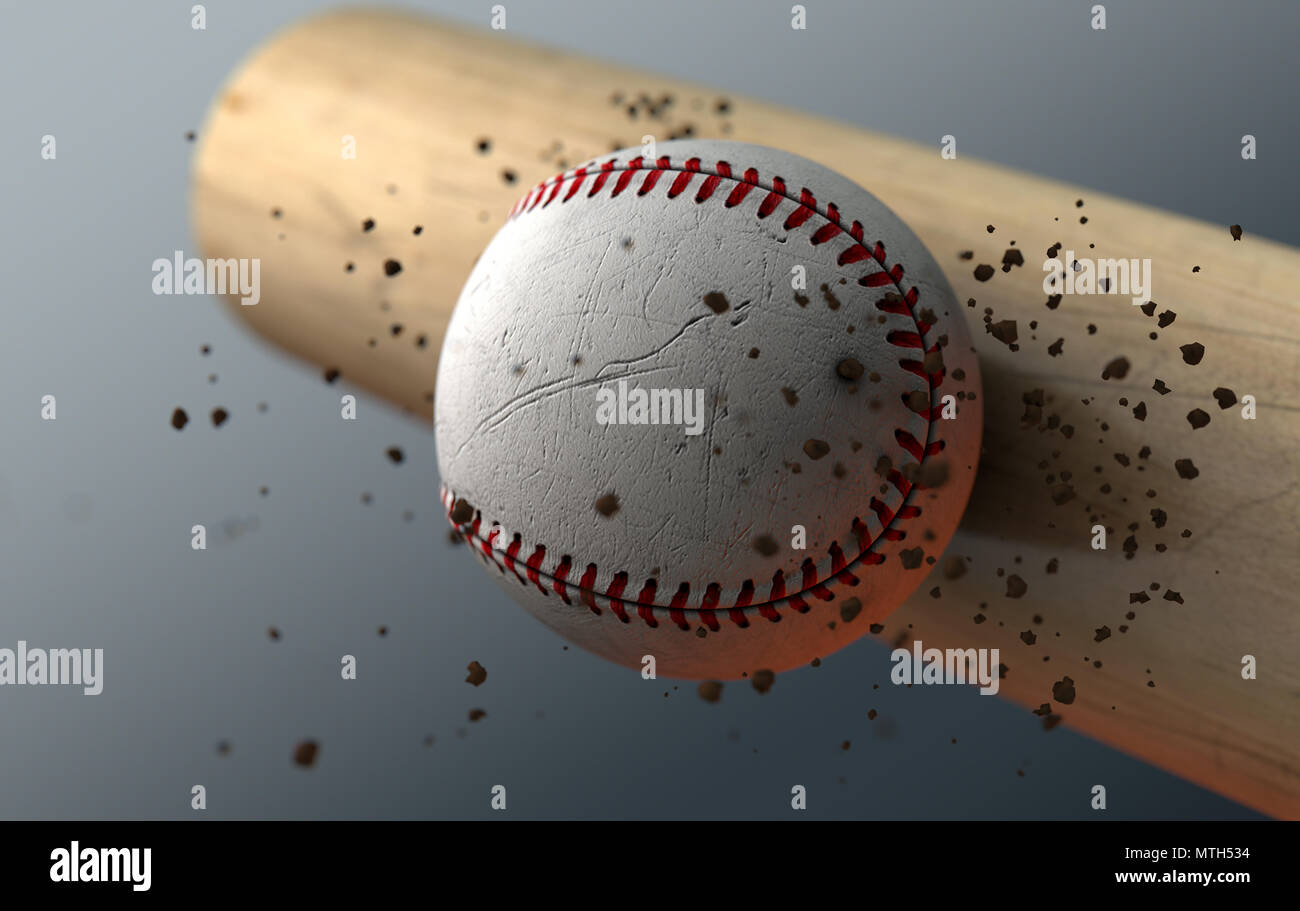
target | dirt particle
x=983, y=272
x=1171, y=595
x=395, y=454
x=607, y=504
x=179, y=418
x=912, y=557
x=477, y=714
x=931, y=473
x=763, y=680
x=710, y=691
x=717, y=302
x=1118, y=368
x=766, y=545
x=954, y=568
x=850, y=368
x=753, y=352
x=1033, y=402
x=1004, y=331
x=1063, y=691
x=477, y=673
x=1062, y=494
x=219, y=416
x=461, y=512
x=1197, y=418
x=305, y=753
x=1225, y=397
x=368, y=225
x=1160, y=387
x=849, y=609
x=1186, y=469
x=832, y=302
x=392, y=267
x=1235, y=231
x=791, y=397
x=1192, y=353
x=1016, y=586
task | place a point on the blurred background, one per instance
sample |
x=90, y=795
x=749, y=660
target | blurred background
x=316, y=532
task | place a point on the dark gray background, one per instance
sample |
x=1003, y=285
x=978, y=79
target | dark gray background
x=95, y=508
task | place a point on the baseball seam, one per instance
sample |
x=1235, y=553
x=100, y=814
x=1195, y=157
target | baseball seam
x=708, y=610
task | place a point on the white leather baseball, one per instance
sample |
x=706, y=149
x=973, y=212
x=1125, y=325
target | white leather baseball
x=822, y=407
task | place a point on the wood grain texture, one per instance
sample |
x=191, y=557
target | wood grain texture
x=420, y=96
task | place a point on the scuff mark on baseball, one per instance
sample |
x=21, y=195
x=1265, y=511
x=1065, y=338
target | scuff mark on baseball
x=796, y=343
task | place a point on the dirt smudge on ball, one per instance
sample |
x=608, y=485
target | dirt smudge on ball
x=816, y=449
x=717, y=302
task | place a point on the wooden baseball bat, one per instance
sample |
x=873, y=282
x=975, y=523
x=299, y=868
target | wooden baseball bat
x=367, y=158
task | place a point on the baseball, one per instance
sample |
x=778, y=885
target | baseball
x=711, y=403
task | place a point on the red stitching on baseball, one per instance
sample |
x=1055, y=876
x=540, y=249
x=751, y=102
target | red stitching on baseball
x=709, y=609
